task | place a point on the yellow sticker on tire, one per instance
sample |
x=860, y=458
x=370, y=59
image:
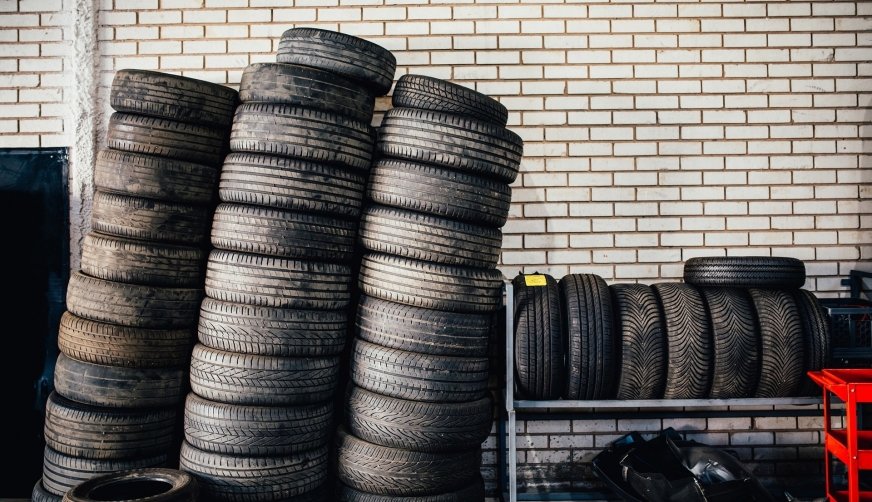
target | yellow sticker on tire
x=535, y=280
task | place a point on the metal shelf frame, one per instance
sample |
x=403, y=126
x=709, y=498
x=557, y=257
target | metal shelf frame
x=507, y=457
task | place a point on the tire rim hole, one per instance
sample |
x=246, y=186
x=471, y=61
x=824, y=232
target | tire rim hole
x=134, y=489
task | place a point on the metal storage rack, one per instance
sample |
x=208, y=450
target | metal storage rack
x=508, y=454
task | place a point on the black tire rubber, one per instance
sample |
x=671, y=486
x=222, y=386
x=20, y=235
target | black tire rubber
x=290, y=184
x=781, y=343
x=430, y=285
x=172, y=97
x=471, y=493
x=391, y=471
x=302, y=133
x=157, y=178
x=284, y=234
x=150, y=220
x=138, y=485
x=231, y=378
x=639, y=328
x=745, y=272
x=429, y=238
x=418, y=377
x=540, y=346
x=119, y=259
x=591, y=353
x=451, y=141
x=440, y=192
x=256, y=431
x=434, y=94
x=688, y=341
x=735, y=342
x=242, y=479
x=266, y=281
x=40, y=494
x=132, y=305
x=114, y=345
x=268, y=331
x=117, y=387
x=427, y=331
x=354, y=58
x=296, y=85
x=816, y=339
x=62, y=472
x=166, y=138
x=97, y=432
x=415, y=425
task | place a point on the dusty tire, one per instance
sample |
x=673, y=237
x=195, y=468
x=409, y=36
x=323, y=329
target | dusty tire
x=62, y=472
x=231, y=378
x=304, y=86
x=816, y=339
x=428, y=93
x=172, y=97
x=639, y=328
x=745, y=272
x=150, y=220
x=364, y=62
x=144, y=485
x=166, y=138
x=427, y=331
x=781, y=343
x=735, y=342
x=40, y=494
x=269, y=331
x=591, y=355
x=440, y=192
x=471, y=493
x=157, y=178
x=146, y=263
x=540, y=357
x=256, y=431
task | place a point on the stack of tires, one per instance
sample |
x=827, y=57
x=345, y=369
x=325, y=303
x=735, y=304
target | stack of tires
x=126, y=337
x=418, y=407
x=739, y=327
x=259, y=419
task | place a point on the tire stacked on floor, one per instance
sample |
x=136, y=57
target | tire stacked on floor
x=418, y=406
x=259, y=419
x=126, y=337
x=737, y=328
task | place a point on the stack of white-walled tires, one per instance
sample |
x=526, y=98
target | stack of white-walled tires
x=126, y=337
x=738, y=327
x=418, y=406
x=259, y=420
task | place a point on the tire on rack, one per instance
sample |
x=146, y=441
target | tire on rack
x=591, y=354
x=429, y=238
x=172, y=97
x=255, y=479
x=244, y=379
x=269, y=331
x=471, y=493
x=642, y=354
x=285, y=234
x=745, y=272
x=816, y=339
x=117, y=387
x=454, y=142
x=157, y=178
x=291, y=184
x=114, y=345
x=119, y=259
x=430, y=285
x=62, y=472
x=256, y=431
x=414, y=329
x=540, y=347
x=166, y=138
x=40, y=494
x=688, y=341
x=433, y=94
x=132, y=305
x=296, y=85
x=781, y=343
x=380, y=470
x=101, y=433
x=150, y=220
x=441, y=192
x=418, y=377
x=735, y=342
x=416, y=425
x=145, y=485
x=354, y=58
x=302, y=133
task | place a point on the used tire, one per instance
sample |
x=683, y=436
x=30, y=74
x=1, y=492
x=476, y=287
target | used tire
x=428, y=93
x=781, y=343
x=369, y=64
x=62, y=472
x=157, y=178
x=140, y=262
x=40, y=494
x=471, y=493
x=745, y=272
x=736, y=341
x=150, y=220
x=540, y=367
x=143, y=485
x=591, y=355
x=816, y=339
x=639, y=328
x=166, y=138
